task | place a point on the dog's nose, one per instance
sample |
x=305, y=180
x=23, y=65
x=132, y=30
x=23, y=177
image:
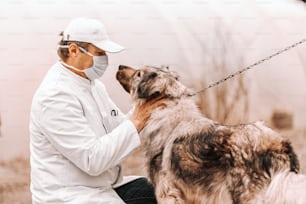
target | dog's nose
x=122, y=67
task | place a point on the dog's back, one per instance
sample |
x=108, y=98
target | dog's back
x=206, y=162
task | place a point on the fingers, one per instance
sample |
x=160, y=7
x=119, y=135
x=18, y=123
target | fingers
x=152, y=104
x=143, y=112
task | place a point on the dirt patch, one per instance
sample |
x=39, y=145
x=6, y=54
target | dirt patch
x=15, y=181
x=15, y=174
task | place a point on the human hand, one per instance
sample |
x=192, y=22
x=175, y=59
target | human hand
x=143, y=112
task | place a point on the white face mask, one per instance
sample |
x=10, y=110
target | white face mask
x=98, y=68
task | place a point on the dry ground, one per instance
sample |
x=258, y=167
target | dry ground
x=14, y=174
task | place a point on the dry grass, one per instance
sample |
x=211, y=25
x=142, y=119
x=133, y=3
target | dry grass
x=227, y=103
x=15, y=181
x=15, y=174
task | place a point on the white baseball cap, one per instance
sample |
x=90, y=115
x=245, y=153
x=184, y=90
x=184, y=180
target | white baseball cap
x=90, y=31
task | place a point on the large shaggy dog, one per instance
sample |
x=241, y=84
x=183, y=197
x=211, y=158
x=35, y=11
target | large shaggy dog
x=191, y=159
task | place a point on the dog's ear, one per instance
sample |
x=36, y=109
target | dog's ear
x=165, y=67
x=176, y=89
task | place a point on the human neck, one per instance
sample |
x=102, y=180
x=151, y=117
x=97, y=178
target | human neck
x=82, y=74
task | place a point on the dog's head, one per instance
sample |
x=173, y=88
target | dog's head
x=150, y=82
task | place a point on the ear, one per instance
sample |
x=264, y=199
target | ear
x=165, y=67
x=176, y=89
x=73, y=50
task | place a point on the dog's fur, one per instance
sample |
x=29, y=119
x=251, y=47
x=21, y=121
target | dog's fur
x=192, y=159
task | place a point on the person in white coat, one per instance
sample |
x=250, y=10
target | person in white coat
x=78, y=136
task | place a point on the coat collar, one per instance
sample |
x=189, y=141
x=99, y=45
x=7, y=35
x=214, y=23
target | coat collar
x=80, y=80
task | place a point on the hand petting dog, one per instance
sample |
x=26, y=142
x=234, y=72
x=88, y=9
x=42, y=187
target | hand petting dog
x=144, y=110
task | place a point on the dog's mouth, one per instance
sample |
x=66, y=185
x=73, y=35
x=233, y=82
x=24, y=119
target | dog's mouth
x=124, y=74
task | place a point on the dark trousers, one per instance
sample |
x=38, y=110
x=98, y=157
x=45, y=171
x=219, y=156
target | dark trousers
x=138, y=191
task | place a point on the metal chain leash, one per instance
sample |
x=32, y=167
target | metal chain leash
x=250, y=67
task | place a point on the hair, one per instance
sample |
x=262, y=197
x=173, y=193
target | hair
x=63, y=53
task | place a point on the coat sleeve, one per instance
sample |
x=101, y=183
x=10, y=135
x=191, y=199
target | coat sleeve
x=63, y=123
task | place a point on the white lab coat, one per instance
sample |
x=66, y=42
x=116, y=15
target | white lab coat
x=78, y=138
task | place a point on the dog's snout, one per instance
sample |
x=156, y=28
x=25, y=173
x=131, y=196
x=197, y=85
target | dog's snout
x=121, y=67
